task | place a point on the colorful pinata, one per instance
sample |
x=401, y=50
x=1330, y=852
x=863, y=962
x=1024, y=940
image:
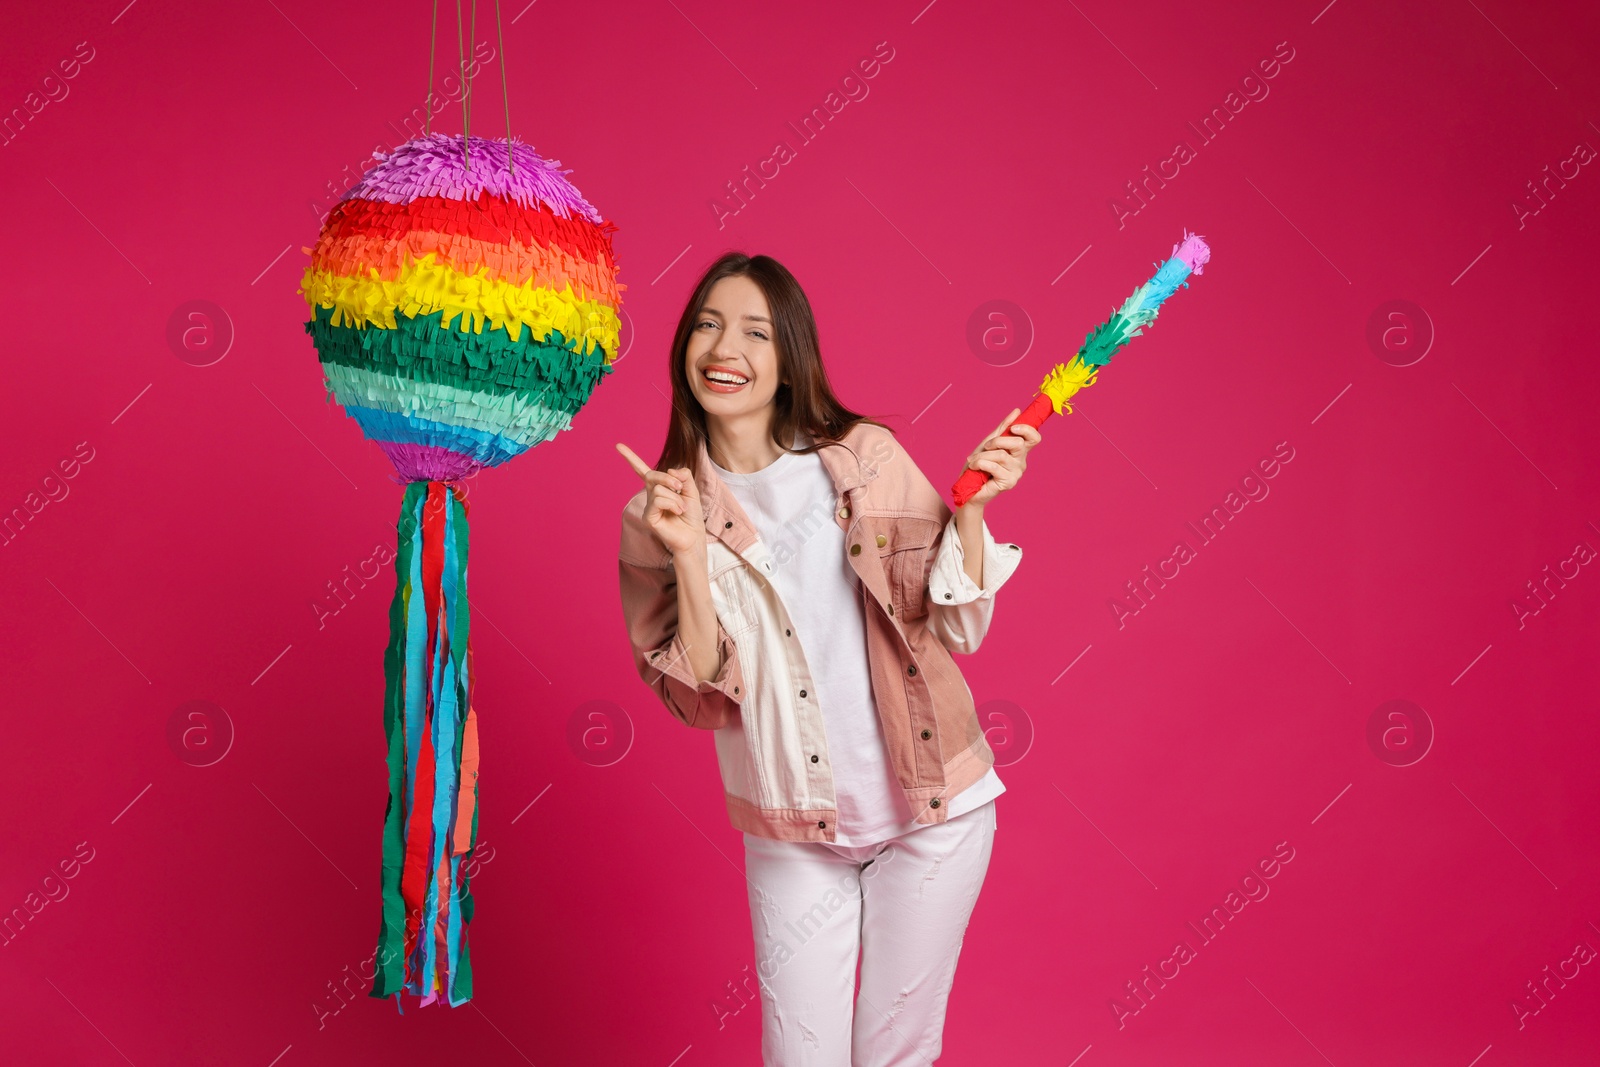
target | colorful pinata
x=1103, y=342
x=464, y=307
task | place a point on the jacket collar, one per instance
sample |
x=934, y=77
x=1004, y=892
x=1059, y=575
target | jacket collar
x=842, y=460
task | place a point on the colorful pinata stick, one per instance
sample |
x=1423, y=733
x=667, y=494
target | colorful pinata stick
x=1105, y=341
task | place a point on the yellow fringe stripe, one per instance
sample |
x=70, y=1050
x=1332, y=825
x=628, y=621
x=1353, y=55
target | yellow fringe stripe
x=1066, y=379
x=426, y=285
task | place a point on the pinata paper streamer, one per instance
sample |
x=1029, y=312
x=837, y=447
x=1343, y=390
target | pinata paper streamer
x=463, y=301
x=1104, y=341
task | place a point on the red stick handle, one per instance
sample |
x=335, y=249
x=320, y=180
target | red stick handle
x=972, y=480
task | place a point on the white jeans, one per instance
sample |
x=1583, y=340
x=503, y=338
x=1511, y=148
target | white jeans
x=901, y=906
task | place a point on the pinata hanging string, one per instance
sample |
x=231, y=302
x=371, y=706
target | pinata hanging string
x=466, y=98
x=461, y=71
x=427, y=97
x=472, y=35
x=505, y=91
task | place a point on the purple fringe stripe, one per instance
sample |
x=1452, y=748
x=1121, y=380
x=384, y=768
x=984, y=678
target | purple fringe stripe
x=429, y=463
x=432, y=165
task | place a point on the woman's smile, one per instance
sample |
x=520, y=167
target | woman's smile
x=721, y=379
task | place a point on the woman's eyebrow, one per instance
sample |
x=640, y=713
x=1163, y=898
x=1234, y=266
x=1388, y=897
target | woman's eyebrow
x=752, y=318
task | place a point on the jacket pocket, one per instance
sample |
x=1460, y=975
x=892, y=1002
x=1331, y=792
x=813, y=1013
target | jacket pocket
x=735, y=596
x=906, y=552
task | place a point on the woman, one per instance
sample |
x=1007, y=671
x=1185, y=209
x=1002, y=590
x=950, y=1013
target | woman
x=793, y=583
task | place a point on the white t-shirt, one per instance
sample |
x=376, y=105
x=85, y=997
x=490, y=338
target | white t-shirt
x=791, y=502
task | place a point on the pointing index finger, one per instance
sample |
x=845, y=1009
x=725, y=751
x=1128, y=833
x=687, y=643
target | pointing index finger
x=640, y=467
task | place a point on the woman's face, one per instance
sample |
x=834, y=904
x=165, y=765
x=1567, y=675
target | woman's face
x=732, y=340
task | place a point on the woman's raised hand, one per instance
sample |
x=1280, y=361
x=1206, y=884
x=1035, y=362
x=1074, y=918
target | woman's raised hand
x=672, y=508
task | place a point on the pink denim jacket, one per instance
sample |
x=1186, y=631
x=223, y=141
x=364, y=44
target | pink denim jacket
x=919, y=606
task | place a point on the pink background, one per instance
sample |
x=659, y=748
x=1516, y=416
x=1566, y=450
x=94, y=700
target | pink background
x=190, y=159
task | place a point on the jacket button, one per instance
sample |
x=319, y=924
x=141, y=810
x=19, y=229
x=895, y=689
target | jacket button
x=891, y=609
x=802, y=692
x=882, y=540
x=822, y=826
x=934, y=803
x=786, y=633
x=735, y=690
x=727, y=526
x=911, y=669
x=949, y=596
x=927, y=734
x=855, y=550
x=844, y=513
x=813, y=759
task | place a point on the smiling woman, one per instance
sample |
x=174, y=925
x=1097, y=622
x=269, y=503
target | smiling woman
x=793, y=583
x=730, y=338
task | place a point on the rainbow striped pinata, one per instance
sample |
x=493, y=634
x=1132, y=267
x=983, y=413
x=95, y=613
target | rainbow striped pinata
x=464, y=307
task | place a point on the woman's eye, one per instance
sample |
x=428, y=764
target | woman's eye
x=759, y=334
x=707, y=322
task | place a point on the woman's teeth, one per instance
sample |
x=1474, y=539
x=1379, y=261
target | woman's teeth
x=725, y=381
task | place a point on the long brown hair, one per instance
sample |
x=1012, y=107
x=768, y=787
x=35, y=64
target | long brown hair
x=805, y=402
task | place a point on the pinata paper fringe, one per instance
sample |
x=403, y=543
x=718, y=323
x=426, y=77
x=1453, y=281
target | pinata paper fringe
x=431, y=824
x=1065, y=380
x=486, y=218
x=421, y=349
x=435, y=165
x=1138, y=311
x=512, y=416
x=426, y=285
x=543, y=268
x=566, y=249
